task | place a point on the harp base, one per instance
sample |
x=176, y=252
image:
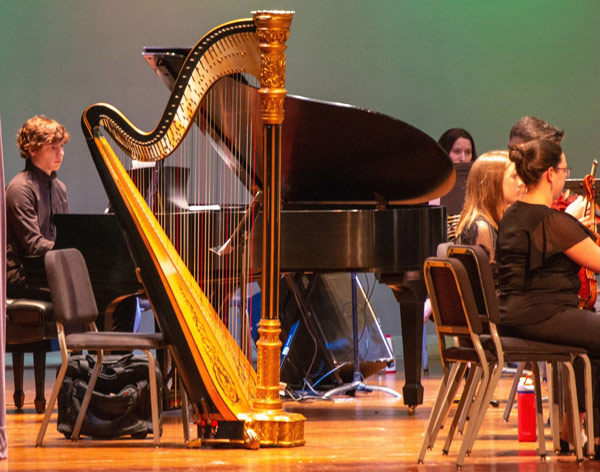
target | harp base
x=227, y=434
x=253, y=430
x=277, y=429
x=273, y=426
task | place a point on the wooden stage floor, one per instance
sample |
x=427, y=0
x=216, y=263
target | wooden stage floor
x=371, y=432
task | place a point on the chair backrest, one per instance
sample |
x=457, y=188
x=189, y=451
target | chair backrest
x=442, y=249
x=70, y=287
x=454, y=309
x=476, y=263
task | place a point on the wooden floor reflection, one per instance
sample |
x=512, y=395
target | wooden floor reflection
x=371, y=432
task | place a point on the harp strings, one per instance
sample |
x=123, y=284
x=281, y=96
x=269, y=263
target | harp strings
x=202, y=197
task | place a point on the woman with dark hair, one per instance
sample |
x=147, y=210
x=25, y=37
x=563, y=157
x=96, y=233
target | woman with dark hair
x=539, y=253
x=459, y=145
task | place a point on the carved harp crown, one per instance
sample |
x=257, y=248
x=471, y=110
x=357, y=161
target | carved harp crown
x=218, y=377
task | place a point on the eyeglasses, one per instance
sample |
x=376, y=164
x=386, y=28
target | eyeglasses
x=567, y=170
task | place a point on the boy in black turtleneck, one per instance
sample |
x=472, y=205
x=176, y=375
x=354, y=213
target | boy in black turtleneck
x=32, y=197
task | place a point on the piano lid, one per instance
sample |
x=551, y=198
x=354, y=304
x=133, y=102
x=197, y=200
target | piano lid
x=339, y=154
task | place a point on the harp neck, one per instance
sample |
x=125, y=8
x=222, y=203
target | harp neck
x=230, y=49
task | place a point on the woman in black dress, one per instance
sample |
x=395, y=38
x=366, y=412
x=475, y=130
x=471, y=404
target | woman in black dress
x=539, y=254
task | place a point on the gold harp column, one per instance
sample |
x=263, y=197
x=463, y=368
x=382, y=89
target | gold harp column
x=273, y=426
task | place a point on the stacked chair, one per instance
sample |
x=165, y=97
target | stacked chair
x=522, y=351
x=75, y=312
x=464, y=305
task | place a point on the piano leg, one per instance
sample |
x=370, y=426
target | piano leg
x=410, y=292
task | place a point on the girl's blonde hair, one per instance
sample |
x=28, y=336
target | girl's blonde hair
x=484, y=195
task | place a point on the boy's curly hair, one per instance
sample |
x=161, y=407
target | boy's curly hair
x=38, y=131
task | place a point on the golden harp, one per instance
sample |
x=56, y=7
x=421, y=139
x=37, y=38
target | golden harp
x=218, y=377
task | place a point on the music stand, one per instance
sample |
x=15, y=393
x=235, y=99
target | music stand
x=357, y=384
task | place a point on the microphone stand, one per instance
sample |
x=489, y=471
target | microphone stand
x=357, y=384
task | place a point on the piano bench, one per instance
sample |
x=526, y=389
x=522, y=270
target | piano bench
x=30, y=327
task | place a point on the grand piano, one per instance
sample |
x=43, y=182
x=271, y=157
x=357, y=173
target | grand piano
x=354, y=183
x=355, y=186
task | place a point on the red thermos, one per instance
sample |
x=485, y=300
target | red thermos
x=526, y=410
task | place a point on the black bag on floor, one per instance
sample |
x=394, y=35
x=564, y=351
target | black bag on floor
x=120, y=403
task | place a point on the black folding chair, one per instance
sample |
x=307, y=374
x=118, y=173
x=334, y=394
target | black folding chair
x=519, y=350
x=75, y=313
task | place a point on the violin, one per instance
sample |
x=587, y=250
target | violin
x=589, y=288
x=565, y=199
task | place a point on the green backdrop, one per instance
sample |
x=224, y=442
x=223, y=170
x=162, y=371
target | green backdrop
x=435, y=64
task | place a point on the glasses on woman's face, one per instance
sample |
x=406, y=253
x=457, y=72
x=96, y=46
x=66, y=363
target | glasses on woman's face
x=567, y=170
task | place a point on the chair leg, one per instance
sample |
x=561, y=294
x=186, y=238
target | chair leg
x=573, y=410
x=513, y=391
x=429, y=437
x=185, y=413
x=53, y=397
x=156, y=429
x=470, y=394
x=589, y=405
x=554, y=403
x=87, y=397
x=452, y=388
x=18, y=366
x=494, y=374
x=566, y=398
x=449, y=398
x=39, y=368
x=482, y=400
x=430, y=433
x=464, y=406
x=162, y=359
x=539, y=411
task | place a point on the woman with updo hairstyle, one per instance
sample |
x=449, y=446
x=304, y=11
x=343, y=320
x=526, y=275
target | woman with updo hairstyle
x=534, y=158
x=539, y=253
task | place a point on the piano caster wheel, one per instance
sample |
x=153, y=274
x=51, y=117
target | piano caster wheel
x=411, y=410
x=19, y=398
